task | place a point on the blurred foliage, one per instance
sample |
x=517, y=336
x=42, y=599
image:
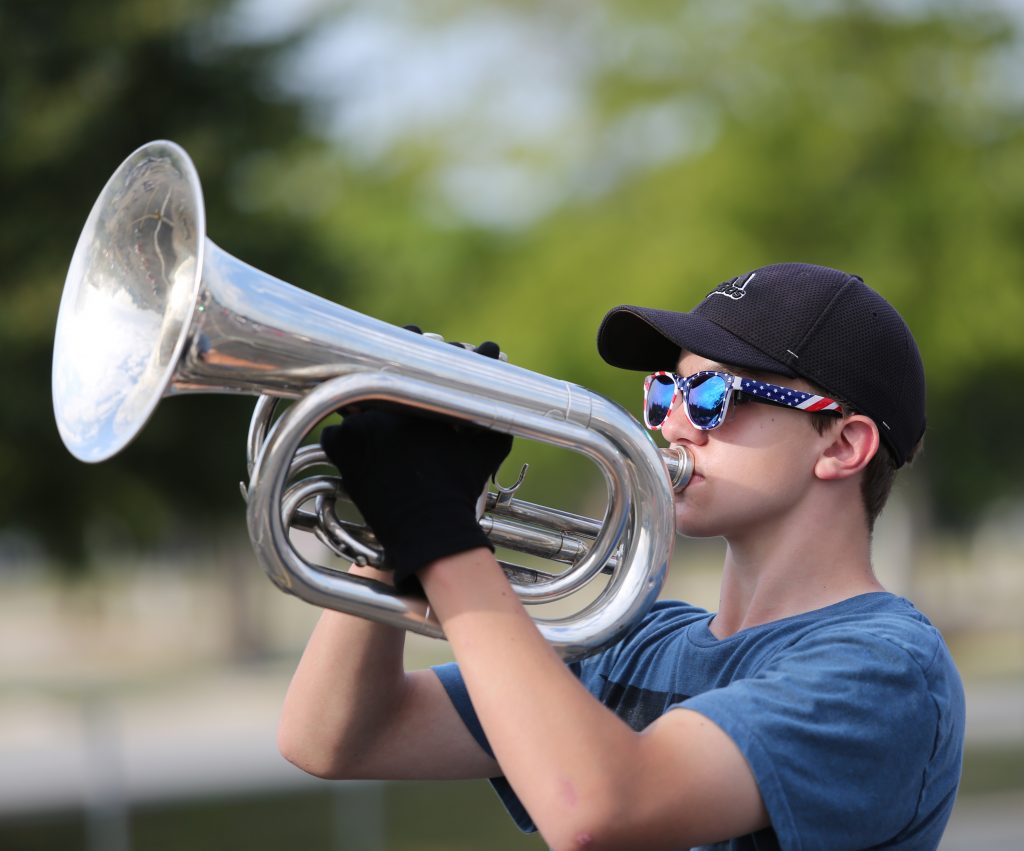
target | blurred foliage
x=708, y=139
x=82, y=87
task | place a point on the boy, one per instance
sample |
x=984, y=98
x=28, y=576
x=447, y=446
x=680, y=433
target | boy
x=812, y=710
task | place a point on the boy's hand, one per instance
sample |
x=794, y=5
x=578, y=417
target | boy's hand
x=416, y=480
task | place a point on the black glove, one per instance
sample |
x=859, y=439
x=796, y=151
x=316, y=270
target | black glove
x=488, y=349
x=416, y=480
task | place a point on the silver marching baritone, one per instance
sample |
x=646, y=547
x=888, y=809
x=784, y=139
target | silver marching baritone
x=152, y=308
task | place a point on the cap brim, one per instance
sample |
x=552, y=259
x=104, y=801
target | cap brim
x=646, y=339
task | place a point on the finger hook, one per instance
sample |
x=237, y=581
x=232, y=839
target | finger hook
x=504, y=494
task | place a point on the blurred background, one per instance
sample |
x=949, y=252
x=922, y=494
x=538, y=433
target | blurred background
x=488, y=170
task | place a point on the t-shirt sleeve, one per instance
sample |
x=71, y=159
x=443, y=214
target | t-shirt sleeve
x=664, y=617
x=833, y=729
x=451, y=679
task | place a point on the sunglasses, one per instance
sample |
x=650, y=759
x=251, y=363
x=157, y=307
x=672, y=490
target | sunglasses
x=706, y=397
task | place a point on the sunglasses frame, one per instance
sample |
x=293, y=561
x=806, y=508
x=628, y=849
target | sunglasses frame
x=743, y=388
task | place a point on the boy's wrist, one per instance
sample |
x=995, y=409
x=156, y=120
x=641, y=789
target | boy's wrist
x=459, y=571
x=375, y=573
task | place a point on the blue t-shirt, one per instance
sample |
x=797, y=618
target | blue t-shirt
x=851, y=717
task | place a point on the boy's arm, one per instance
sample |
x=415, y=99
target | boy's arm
x=586, y=778
x=352, y=711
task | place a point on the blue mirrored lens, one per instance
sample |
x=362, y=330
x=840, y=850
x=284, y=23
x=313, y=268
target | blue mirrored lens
x=705, y=401
x=659, y=400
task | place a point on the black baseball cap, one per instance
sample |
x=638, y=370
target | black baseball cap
x=794, y=319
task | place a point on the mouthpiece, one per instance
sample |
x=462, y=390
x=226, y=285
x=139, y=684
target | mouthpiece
x=680, y=466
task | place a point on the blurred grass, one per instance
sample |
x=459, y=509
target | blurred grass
x=993, y=768
x=453, y=816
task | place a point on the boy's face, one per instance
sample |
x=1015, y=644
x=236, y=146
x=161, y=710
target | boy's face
x=751, y=471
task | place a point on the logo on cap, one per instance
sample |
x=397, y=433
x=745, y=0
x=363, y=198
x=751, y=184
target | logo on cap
x=731, y=289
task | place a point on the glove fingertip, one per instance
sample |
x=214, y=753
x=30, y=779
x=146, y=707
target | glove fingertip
x=489, y=349
x=329, y=436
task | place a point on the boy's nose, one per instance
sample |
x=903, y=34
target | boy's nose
x=677, y=428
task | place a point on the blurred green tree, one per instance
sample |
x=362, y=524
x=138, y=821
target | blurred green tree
x=692, y=141
x=883, y=140
x=83, y=85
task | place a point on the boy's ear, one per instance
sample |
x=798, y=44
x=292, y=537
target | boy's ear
x=853, y=444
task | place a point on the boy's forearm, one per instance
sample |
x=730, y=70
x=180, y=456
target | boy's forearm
x=540, y=721
x=347, y=685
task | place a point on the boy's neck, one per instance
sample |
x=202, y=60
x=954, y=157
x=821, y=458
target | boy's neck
x=784, y=571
